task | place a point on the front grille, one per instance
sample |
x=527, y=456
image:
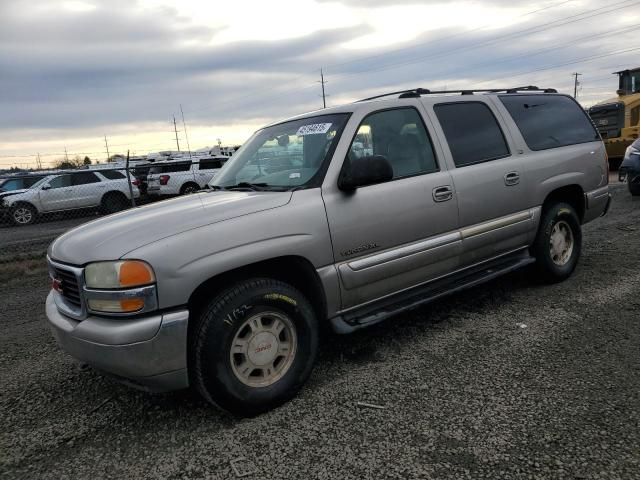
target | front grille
x=70, y=287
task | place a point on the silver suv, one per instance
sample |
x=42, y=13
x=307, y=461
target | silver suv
x=105, y=189
x=340, y=217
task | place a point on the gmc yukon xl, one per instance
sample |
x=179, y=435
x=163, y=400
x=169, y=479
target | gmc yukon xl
x=379, y=206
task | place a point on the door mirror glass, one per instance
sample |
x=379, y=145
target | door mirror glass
x=363, y=171
x=46, y=186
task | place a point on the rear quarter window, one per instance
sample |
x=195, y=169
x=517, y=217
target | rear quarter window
x=112, y=174
x=549, y=121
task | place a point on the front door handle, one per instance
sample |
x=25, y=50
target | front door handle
x=511, y=178
x=443, y=193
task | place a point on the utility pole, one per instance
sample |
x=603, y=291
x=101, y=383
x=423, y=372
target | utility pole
x=175, y=129
x=106, y=145
x=322, y=82
x=185, y=130
x=65, y=154
x=575, y=84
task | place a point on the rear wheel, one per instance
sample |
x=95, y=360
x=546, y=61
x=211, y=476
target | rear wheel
x=188, y=188
x=253, y=346
x=23, y=214
x=558, y=243
x=114, y=202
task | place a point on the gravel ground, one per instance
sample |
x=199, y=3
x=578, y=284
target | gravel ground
x=508, y=380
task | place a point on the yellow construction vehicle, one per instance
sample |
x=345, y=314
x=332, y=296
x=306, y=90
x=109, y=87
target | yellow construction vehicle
x=618, y=119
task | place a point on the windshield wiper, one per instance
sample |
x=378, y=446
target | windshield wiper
x=248, y=186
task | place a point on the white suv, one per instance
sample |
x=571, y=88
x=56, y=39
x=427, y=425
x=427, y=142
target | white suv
x=104, y=189
x=182, y=177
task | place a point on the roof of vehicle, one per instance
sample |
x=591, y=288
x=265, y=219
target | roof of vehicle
x=435, y=95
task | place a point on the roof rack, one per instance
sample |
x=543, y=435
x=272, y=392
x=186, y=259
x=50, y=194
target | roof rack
x=417, y=92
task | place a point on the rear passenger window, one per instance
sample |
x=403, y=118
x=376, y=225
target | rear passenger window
x=211, y=164
x=112, y=174
x=178, y=167
x=549, y=121
x=84, y=178
x=401, y=137
x=472, y=132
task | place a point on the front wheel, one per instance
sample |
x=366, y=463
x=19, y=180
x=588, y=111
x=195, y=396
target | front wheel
x=253, y=347
x=558, y=243
x=634, y=188
x=23, y=214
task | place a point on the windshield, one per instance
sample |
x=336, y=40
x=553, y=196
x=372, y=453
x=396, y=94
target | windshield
x=284, y=156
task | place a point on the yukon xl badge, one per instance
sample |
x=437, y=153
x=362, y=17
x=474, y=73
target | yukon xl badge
x=361, y=248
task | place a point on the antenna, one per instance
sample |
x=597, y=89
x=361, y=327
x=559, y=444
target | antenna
x=185, y=130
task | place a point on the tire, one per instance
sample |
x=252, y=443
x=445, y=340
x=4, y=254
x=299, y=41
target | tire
x=23, y=214
x=260, y=373
x=188, y=188
x=113, y=202
x=558, y=244
x=634, y=189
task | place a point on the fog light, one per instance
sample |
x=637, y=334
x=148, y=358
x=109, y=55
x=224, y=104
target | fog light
x=128, y=305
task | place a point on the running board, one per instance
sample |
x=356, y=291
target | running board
x=382, y=309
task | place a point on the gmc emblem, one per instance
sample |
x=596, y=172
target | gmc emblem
x=56, y=285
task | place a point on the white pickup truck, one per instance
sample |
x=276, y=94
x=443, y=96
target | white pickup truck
x=107, y=190
x=182, y=177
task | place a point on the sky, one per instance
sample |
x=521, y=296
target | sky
x=73, y=72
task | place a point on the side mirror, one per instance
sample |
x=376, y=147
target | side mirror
x=46, y=187
x=363, y=171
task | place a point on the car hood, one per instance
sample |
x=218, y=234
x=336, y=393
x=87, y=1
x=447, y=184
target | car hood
x=111, y=237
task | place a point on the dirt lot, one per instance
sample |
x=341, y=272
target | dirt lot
x=508, y=380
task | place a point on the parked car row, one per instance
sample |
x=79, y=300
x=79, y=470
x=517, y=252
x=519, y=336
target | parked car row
x=24, y=198
x=107, y=190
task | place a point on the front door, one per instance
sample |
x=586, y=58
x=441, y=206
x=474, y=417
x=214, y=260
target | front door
x=57, y=194
x=398, y=234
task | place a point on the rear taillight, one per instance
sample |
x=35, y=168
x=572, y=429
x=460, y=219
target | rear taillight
x=164, y=179
x=136, y=182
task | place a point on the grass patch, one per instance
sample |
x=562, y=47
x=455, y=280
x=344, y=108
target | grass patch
x=24, y=267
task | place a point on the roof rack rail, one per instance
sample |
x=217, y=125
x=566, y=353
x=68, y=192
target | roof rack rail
x=417, y=92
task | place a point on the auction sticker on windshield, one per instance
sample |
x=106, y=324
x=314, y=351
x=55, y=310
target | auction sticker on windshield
x=313, y=129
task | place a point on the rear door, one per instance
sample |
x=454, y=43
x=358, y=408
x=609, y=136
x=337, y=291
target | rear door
x=489, y=177
x=87, y=189
x=207, y=169
x=398, y=234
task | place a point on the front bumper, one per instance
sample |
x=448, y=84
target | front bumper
x=149, y=352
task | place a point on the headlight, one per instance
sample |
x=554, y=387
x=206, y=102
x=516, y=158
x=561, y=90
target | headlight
x=120, y=287
x=121, y=274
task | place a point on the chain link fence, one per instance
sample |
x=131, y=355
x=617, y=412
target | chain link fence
x=36, y=207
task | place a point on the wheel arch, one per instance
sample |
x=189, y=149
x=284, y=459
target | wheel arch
x=187, y=183
x=113, y=193
x=295, y=270
x=572, y=194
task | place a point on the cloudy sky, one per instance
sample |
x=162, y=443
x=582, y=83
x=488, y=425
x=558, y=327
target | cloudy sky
x=74, y=71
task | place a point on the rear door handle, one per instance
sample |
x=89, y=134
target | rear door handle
x=511, y=178
x=443, y=193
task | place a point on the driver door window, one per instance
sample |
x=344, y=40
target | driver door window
x=401, y=137
x=59, y=195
